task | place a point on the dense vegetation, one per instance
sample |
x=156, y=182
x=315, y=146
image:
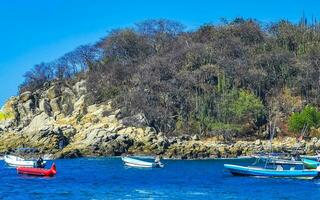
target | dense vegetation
x=224, y=77
x=308, y=117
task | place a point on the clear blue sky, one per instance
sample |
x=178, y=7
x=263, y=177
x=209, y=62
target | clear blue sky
x=41, y=30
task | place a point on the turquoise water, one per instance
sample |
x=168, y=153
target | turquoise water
x=107, y=178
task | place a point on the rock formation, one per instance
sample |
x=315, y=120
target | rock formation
x=58, y=120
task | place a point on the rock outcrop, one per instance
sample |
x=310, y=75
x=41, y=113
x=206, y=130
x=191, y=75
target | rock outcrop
x=58, y=120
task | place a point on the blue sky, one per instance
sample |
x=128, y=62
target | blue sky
x=37, y=31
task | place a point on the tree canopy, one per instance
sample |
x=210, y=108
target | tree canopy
x=186, y=81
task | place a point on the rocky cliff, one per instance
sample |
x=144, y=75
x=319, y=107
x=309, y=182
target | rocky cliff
x=58, y=120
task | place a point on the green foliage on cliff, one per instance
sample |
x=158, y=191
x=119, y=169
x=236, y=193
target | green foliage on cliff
x=5, y=116
x=217, y=126
x=309, y=117
x=233, y=108
x=240, y=106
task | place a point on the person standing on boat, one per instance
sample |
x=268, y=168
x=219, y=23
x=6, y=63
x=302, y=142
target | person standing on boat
x=40, y=163
x=157, y=160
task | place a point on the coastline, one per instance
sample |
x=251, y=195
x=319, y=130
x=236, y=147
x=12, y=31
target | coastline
x=192, y=150
x=58, y=120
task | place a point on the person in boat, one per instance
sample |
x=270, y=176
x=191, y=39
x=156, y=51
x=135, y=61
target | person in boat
x=295, y=157
x=157, y=160
x=40, y=163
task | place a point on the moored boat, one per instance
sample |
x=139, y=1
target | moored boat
x=132, y=162
x=15, y=161
x=310, y=164
x=238, y=170
x=37, y=171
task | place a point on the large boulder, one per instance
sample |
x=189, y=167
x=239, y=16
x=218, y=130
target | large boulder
x=29, y=106
x=314, y=132
x=25, y=96
x=80, y=88
x=80, y=106
x=118, y=146
x=6, y=125
x=53, y=92
x=75, y=153
x=94, y=136
x=67, y=101
x=49, y=138
x=138, y=120
x=68, y=131
x=22, y=113
x=44, y=106
x=55, y=105
x=38, y=123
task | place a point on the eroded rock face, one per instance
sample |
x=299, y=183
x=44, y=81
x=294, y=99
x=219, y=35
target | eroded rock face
x=80, y=88
x=59, y=121
x=24, y=97
x=34, y=117
x=54, y=92
x=138, y=120
x=44, y=106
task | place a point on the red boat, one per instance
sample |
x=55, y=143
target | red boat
x=37, y=171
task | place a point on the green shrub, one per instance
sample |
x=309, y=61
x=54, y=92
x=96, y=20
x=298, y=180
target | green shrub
x=309, y=116
x=240, y=106
x=217, y=126
x=5, y=116
x=247, y=106
x=187, y=126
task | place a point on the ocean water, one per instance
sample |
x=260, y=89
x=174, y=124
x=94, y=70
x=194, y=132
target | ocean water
x=107, y=178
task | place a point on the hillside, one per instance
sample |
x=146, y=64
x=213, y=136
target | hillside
x=158, y=89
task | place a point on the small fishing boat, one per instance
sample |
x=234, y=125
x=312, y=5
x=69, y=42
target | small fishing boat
x=15, y=161
x=132, y=162
x=310, y=164
x=238, y=170
x=37, y=171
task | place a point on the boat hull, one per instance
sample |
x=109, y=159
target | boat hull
x=310, y=164
x=255, y=171
x=37, y=171
x=139, y=163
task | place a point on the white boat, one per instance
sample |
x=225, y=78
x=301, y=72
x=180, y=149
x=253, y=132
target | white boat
x=16, y=161
x=139, y=163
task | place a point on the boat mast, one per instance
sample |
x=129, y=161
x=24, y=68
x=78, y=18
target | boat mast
x=303, y=132
x=272, y=130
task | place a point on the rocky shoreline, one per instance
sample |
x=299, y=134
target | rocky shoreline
x=57, y=120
